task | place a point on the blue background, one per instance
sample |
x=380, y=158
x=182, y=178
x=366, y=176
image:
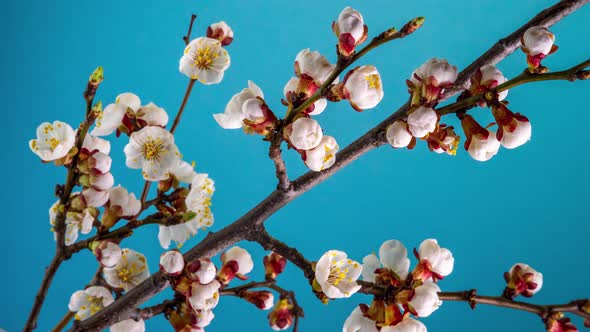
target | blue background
x=529, y=204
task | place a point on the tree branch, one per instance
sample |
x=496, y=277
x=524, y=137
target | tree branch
x=280, y=168
x=240, y=229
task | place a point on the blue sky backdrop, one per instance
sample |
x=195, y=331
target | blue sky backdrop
x=528, y=204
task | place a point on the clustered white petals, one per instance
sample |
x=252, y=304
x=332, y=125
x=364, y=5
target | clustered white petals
x=172, y=262
x=398, y=134
x=153, y=150
x=322, y=156
x=204, y=297
x=242, y=260
x=54, y=140
x=204, y=60
x=202, y=270
x=313, y=65
x=364, y=87
x=356, y=322
x=337, y=275
x=438, y=69
x=108, y=253
x=234, y=114
x=538, y=40
x=422, y=121
x=89, y=301
x=483, y=148
x=517, y=134
x=441, y=260
x=304, y=133
x=425, y=299
x=491, y=74
x=123, y=203
x=76, y=222
x=222, y=32
x=129, y=272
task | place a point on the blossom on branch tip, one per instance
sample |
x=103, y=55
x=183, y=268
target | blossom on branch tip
x=537, y=43
x=406, y=325
x=357, y=322
x=281, y=317
x=522, y=280
x=481, y=143
x=121, y=204
x=204, y=297
x=111, y=118
x=351, y=31
x=86, y=303
x=304, y=133
x=222, y=32
x=514, y=129
x=201, y=270
x=398, y=135
x=435, y=262
x=129, y=271
x=129, y=325
x=107, y=252
x=153, y=150
x=363, y=88
x=263, y=300
x=336, y=275
x=486, y=78
x=237, y=262
x=274, y=264
x=54, y=140
x=204, y=60
x=322, y=156
x=172, y=262
x=428, y=82
x=392, y=266
x=422, y=121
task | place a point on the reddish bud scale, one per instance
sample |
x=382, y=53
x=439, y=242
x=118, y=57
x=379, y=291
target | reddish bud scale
x=558, y=323
x=519, y=283
x=281, y=318
x=381, y=313
x=184, y=319
x=266, y=126
x=506, y=119
x=274, y=264
x=423, y=271
x=472, y=128
x=261, y=299
x=228, y=271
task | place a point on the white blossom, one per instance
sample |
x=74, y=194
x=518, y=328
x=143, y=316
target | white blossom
x=86, y=303
x=422, y=121
x=97, y=181
x=222, y=32
x=538, y=40
x=322, y=156
x=153, y=150
x=364, y=87
x=525, y=279
x=437, y=72
x=152, y=115
x=483, y=148
x=202, y=270
x=425, y=299
x=129, y=272
x=183, y=172
x=95, y=198
x=398, y=134
x=96, y=164
x=204, y=60
x=393, y=255
x=516, y=134
x=108, y=253
x=356, y=322
x=93, y=143
x=304, y=133
x=350, y=29
x=314, y=66
x=406, y=325
x=172, y=262
x=234, y=114
x=204, y=297
x=337, y=275
x=292, y=86
x=54, y=141
x=236, y=262
x=129, y=325
x=204, y=318
x=76, y=222
x=111, y=117
x=490, y=75
x=122, y=203
x=438, y=260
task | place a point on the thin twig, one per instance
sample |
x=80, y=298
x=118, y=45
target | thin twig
x=187, y=38
x=280, y=168
x=214, y=243
x=187, y=94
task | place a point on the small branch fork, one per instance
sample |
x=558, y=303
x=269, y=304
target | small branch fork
x=240, y=229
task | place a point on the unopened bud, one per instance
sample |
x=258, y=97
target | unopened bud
x=261, y=299
x=274, y=264
x=97, y=76
x=413, y=25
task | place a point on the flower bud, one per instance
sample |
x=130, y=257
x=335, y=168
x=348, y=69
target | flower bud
x=435, y=262
x=261, y=299
x=274, y=264
x=424, y=300
x=297, y=90
x=237, y=262
x=313, y=66
x=222, y=32
x=98, y=163
x=258, y=118
x=107, y=252
x=522, y=279
x=322, y=156
x=557, y=322
x=281, y=318
x=201, y=270
x=422, y=121
x=351, y=31
x=398, y=135
x=94, y=197
x=94, y=144
x=121, y=204
x=304, y=133
x=363, y=88
x=514, y=129
x=172, y=262
x=97, y=181
x=538, y=40
x=481, y=143
x=428, y=82
x=204, y=297
x=486, y=78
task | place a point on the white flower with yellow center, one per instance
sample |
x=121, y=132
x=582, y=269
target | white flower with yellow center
x=337, y=275
x=112, y=116
x=153, y=150
x=204, y=60
x=197, y=201
x=322, y=156
x=235, y=114
x=204, y=297
x=129, y=325
x=364, y=88
x=86, y=303
x=393, y=256
x=54, y=141
x=304, y=133
x=129, y=272
x=76, y=222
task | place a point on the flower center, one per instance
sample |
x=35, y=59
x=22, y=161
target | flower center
x=52, y=142
x=152, y=149
x=373, y=81
x=337, y=274
x=204, y=58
